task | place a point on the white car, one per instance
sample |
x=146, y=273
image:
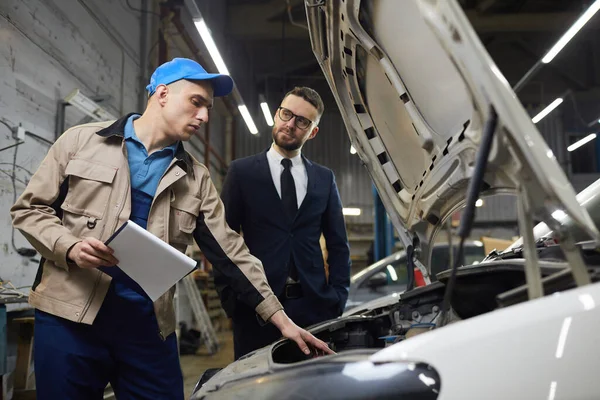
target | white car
x=421, y=99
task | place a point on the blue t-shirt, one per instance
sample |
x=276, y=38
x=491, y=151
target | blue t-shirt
x=146, y=172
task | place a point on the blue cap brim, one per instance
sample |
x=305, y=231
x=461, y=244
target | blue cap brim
x=222, y=84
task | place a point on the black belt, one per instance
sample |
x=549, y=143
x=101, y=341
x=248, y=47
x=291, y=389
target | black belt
x=293, y=291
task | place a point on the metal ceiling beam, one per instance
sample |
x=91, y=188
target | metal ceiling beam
x=261, y=28
x=485, y=5
x=523, y=22
x=573, y=82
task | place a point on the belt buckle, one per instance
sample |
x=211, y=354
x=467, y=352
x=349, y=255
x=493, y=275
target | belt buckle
x=287, y=292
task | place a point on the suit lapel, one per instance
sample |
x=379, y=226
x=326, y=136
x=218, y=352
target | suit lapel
x=311, y=186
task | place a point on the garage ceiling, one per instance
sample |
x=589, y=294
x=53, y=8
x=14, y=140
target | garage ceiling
x=517, y=33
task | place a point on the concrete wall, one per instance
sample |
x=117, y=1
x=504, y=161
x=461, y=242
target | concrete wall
x=47, y=49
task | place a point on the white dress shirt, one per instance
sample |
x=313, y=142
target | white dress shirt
x=298, y=173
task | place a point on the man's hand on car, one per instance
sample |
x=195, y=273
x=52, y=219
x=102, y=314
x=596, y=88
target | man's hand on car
x=91, y=253
x=304, y=339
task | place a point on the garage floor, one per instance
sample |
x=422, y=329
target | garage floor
x=194, y=365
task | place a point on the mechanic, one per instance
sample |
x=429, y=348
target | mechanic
x=92, y=328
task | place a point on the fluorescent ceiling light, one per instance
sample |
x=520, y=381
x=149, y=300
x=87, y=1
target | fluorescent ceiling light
x=548, y=109
x=478, y=243
x=248, y=119
x=581, y=142
x=392, y=273
x=211, y=46
x=352, y=150
x=479, y=203
x=88, y=106
x=351, y=211
x=562, y=42
x=267, y=113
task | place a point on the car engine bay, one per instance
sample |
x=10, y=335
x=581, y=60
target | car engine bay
x=481, y=288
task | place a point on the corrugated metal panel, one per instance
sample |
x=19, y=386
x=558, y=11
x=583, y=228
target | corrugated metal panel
x=217, y=133
x=217, y=141
x=504, y=207
x=498, y=208
x=246, y=143
x=552, y=130
x=330, y=148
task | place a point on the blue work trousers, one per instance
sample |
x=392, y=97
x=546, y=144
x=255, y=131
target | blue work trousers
x=76, y=361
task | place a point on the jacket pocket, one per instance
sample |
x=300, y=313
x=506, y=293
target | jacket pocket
x=182, y=221
x=90, y=186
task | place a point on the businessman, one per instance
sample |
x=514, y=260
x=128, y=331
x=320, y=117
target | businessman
x=91, y=328
x=283, y=203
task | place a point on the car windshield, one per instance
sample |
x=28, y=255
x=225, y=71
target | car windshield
x=440, y=259
x=396, y=273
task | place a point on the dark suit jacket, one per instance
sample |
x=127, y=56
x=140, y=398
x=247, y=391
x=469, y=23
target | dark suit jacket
x=253, y=205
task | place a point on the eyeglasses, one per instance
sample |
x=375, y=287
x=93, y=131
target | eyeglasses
x=286, y=115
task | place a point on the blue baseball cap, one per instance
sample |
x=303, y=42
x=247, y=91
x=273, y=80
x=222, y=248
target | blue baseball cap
x=184, y=68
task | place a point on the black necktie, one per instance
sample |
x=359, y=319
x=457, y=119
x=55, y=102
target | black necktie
x=288, y=189
x=290, y=203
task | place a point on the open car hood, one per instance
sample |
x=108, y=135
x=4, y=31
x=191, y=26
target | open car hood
x=415, y=87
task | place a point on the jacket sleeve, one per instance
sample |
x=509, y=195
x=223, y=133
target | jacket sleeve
x=227, y=252
x=232, y=199
x=34, y=215
x=334, y=231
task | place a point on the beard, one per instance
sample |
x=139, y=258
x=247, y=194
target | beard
x=291, y=145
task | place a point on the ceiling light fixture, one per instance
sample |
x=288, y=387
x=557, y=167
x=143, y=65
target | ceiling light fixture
x=581, y=142
x=351, y=211
x=547, y=110
x=248, y=119
x=572, y=31
x=562, y=42
x=265, y=109
x=88, y=106
x=211, y=46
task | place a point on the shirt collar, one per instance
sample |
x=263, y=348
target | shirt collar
x=275, y=156
x=130, y=134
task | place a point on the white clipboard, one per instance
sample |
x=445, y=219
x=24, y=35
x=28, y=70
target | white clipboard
x=153, y=265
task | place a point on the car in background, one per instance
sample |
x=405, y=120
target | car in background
x=389, y=275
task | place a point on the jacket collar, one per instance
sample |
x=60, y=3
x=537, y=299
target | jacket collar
x=117, y=128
